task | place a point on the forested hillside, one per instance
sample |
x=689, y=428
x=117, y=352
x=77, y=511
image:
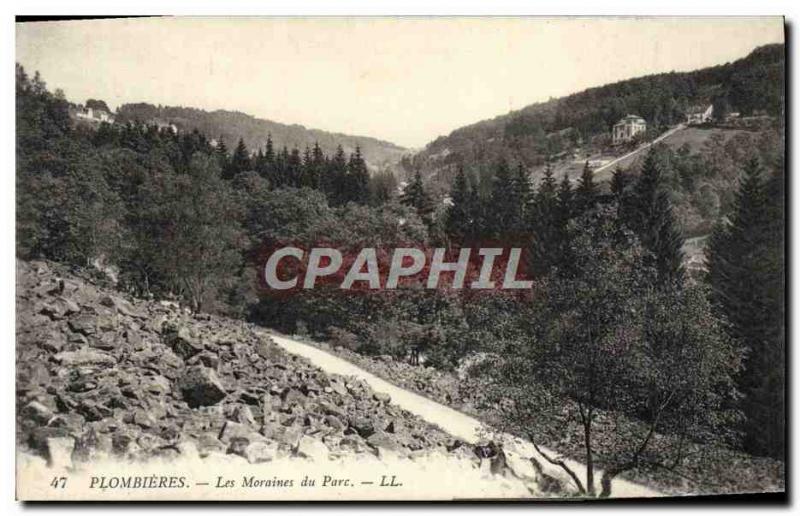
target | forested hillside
x=616, y=326
x=230, y=126
x=548, y=130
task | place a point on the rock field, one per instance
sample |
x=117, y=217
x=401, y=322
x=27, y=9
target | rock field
x=100, y=376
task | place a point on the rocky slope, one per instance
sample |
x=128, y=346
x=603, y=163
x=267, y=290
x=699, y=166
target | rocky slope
x=100, y=376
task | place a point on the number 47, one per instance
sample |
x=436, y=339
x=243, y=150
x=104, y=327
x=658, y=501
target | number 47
x=59, y=482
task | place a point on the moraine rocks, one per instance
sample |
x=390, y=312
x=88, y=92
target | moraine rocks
x=100, y=374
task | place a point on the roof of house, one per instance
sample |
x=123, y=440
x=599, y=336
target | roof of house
x=630, y=119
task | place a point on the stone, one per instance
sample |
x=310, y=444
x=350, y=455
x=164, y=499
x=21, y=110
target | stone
x=334, y=422
x=243, y=414
x=143, y=419
x=232, y=430
x=261, y=451
x=293, y=397
x=85, y=356
x=59, y=452
x=363, y=426
x=182, y=342
x=268, y=350
x=200, y=386
x=121, y=306
x=59, y=308
x=37, y=412
x=310, y=448
x=157, y=385
x=83, y=324
x=382, y=397
x=382, y=440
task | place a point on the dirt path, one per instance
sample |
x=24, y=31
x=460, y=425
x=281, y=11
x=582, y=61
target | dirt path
x=667, y=134
x=453, y=422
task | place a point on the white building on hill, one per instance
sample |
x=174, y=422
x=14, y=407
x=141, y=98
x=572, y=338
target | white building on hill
x=627, y=128
x=94, y=115
x=699, y=114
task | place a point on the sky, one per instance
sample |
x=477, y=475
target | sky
x=405, y=80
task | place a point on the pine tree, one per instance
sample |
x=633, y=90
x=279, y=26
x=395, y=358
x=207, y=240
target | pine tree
x=415, y=196
x=504, y=206
x=523, y=199
x=358, y=178
x=565, y=200
x=240, y=161
x=222, y=154
x=586, y=192
x=746, y=273
x=460, y=212
x=619, y=181
x=335, y=178
x=544, y=223
x=654, y=222
x=294, y=169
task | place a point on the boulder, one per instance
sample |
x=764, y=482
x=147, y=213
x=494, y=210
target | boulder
x=200, y=386
x=182, y=342
x=59, y=308
x=363, y=426
x=311, y=448
x=261, y=451
x=83, y=324
x=85, y=356
x=37, y=412
x=382, y=397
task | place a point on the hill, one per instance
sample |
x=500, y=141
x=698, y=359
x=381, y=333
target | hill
x=581, y=122
x=230, y=126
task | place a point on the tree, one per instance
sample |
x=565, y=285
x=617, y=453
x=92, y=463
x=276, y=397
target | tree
x=415, y=196
x=503, y=208
x=459, y=212
x=586, y=193
x=523, y=200
x=609, y=340
x=545, y=224
x=358, y=178
x=746, y=273
x=654, y=222
x=190, y=233
x=240, y=161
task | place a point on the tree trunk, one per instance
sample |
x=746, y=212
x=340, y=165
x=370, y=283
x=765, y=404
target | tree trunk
x=587, y=436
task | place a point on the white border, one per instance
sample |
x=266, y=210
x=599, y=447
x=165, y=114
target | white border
x=332, y=7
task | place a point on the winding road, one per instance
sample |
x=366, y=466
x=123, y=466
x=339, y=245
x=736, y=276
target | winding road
x=451, y=421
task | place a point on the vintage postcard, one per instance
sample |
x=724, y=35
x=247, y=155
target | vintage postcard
x=445, y=258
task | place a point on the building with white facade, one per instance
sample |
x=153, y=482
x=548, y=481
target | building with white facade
x=627, y=128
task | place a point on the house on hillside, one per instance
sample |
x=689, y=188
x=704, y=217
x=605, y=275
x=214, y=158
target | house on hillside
x=627, y=128
x=95, y=115
x=699, y=114
x=162, y=125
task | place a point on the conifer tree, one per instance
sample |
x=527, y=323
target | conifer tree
x=294, y=169
x=415, y=196
x=654, y=222
x=745, y=270
x=460, y=212
x=335, y=179
x=523, y=199
x=586, y=192
x=504, y=206
x=222, y=154
x=240, y=161
x=358, y=178
x=544, y=223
